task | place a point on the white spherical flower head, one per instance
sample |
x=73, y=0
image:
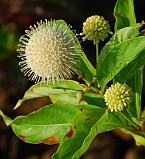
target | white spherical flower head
x=49, y=51
x=96, y=28
x=118, y=96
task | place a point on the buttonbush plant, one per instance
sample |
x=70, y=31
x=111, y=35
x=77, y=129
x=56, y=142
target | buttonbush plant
x=50, y=54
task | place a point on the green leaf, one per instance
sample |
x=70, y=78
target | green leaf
x=73, y=141
x=47, y=125
x=131, y=69
x=108, y=121
x=94, y=99
x=7, y=120
x=136, y=83
x=114, y=58
x=120, y=36
x=74, y=147
x=139, y=138
x=124, y=34
x=124, y=14
x=113, y=120
x=65, y=91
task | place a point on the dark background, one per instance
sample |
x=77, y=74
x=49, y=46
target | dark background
x=15, y=17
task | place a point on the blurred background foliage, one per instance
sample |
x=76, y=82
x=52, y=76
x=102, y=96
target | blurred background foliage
x=15, y=17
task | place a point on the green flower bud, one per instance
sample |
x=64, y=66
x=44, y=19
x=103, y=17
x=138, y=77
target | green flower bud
x=96, y=28
x=118, y=96
x=49, y=51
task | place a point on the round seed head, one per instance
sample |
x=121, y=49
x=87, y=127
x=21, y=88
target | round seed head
x=96, y=28
x=49, y=51
x=118, y=96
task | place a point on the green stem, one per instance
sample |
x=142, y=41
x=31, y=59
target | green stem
x=97, y=52
x=97, y=55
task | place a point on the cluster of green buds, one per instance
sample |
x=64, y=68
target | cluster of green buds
x=96, y=28
x=118, y=96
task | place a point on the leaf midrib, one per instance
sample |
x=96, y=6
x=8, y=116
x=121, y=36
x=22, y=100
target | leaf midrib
x=43, y=125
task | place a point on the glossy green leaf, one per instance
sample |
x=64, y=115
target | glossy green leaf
x=84, y=134
x=127, y=33
x=113, y=58
x=113, y=120
x=6, y=119
x=65, y=91
x=139, y=137
x=94, y=99
x=136, y=83
x=73, y=141
x=107, y=122
x=120, y=36
x=130, y=69
x=47, y=125
x=124, y=34
x=124, y=14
